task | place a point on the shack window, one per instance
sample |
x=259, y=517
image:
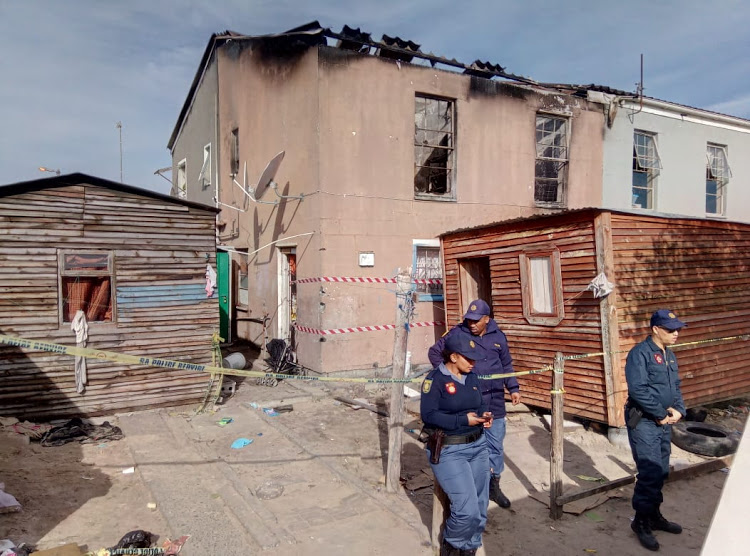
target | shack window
x=434, y=148
x=234, y=153
x=646, y=166
x=86, y=283
x=204, y=178
x=182, y=179
x=717, y=178
x=551, y=160
x=427, y=266
x=541, y=287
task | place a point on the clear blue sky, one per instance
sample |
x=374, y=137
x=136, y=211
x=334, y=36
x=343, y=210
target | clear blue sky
x=71, y=69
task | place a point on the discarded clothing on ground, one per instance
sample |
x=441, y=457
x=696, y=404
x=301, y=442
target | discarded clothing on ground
x=80, y=431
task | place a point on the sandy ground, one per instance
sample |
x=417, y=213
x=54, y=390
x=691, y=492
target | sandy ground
x=312, y=483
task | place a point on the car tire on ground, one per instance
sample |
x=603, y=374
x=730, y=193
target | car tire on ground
x=704, y=439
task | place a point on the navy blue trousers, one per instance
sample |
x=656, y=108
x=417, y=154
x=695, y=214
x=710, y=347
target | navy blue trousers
x=651, y=447
x=464, y=475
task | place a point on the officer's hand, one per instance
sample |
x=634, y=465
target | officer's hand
x=674, y=415
x=515, y=398
x=666, y=421
x=474, y=420
x=487, y=416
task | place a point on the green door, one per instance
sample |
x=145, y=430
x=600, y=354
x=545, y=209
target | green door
x=222, y=282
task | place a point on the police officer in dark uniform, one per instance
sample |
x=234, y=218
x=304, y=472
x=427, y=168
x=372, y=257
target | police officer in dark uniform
x=486, y=333
x=453, y=411
x=654, y=404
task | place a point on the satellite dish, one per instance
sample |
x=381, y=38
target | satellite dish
x=266, y=178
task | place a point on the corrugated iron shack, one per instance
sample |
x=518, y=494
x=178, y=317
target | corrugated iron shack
x=134, y=262
x=535, y=273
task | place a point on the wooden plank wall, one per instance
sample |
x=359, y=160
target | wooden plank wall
x=158, y=246
x=534, y=346
x=701, y=270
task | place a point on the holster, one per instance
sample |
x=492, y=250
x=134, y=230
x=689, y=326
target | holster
x=634, y=417
x=435, y=444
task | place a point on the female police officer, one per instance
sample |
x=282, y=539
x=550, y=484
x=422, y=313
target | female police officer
x=452, y=409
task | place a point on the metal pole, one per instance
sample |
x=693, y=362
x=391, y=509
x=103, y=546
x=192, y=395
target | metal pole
x=118, y=125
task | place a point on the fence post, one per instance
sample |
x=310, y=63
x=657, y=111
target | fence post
x=396, y=418
x=556, y=445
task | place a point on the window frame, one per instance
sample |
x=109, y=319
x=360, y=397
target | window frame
x=62, y=273
x=204, y=177
x=721, y=182
x=451, y=159
x=237, y=279
x=181, y=188
x=534, y=317
x=430, y=243
x=651, y=172
x=562, y=172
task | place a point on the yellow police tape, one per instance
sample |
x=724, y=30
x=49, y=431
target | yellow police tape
x=102, y=355
x=676, y=346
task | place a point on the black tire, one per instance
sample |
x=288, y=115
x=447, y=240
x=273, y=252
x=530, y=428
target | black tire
x=704, y=439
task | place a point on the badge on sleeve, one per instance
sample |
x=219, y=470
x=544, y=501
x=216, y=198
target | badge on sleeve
x=659, y=359
x=450, y=387
x=426, y=385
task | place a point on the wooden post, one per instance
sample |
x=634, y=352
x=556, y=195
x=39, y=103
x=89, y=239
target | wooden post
x=396, y=419
x=556, y=446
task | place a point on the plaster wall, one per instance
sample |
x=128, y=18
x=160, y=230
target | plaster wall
x=366, y=107
x=199, y=129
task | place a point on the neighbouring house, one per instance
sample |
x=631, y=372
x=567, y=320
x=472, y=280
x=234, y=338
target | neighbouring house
x=665, y=157
x=385, y=147
x=134, y=262
x=535, y=272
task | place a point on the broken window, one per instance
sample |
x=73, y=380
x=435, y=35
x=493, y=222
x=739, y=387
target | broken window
x=427, y=266
x=204, y=178
x=86, y=283
x=434, y=148
x=646, y=166
x=717, y=177
x=541, y=287
x=551, y=159
x=234, y=163
x=182, y=179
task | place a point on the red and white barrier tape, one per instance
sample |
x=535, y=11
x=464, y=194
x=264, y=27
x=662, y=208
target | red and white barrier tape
x=366, y=280
x=331, y=331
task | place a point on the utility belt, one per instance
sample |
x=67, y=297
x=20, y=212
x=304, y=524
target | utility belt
x=435, y=439
x=634, y=414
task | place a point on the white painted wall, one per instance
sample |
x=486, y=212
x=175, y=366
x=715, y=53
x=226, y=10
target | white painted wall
x=682, y=136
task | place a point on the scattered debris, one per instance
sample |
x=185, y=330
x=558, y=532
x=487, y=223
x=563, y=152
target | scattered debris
x=151, y=506
x=224, y=421
x=284, y=408
x=269, y=491
x=82, y=431
x=270, y=412
x=357, y=404
x=241, y=443
x=593, y=516
x=128, y=471
x=592, y=479
x=8, y=503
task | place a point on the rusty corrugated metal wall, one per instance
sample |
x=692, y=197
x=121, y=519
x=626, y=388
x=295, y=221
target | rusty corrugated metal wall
x=700, y=270
x=533, y=346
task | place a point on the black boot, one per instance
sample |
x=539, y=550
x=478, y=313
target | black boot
x=496, y=495
x=447, y=549
x=659, y=523
x=642, y=529
x=468, y=552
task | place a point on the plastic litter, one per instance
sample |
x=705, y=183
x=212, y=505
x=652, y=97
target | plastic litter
x=128, y=471
x=271, y=412
x=241, y=443
x=224, y=421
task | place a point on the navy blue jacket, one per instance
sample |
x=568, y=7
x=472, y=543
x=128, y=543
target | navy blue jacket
x=653, y=382
x=498, y=361
x=445, y=401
